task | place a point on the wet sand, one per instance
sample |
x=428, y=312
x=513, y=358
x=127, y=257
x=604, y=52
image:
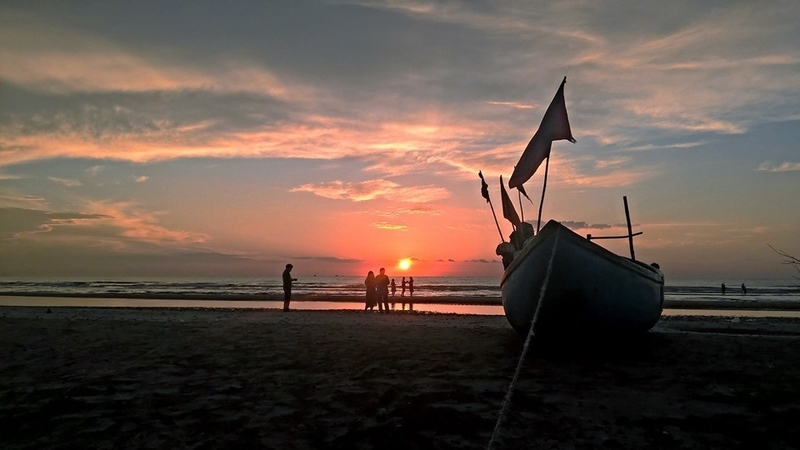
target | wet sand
x=200, y=378
x=739, y=302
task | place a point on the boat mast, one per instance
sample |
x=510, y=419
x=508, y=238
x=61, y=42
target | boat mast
x=630, y=231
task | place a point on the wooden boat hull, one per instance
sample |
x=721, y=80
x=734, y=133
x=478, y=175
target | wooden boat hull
x=589, y=289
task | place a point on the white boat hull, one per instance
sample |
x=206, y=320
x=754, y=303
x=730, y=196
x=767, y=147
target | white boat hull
x=589, y=289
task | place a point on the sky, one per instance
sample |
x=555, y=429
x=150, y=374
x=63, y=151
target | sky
x=210, y=138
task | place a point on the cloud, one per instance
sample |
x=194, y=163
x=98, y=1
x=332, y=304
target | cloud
x=374, y=189
x=16, y=222
x=46, y=56
x=115, y=239
x=599, y=172
x=580, y=225
x=328, y=259
x=512, y=104
x=65, y=182
x=22, y=201
x=768, y=166
x=115, y=225
x=388, y=226
x=410, y=211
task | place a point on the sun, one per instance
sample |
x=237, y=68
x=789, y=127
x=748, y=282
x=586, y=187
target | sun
x=404, y=264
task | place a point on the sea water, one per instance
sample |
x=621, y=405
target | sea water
x=252, y=292
x=241, y=288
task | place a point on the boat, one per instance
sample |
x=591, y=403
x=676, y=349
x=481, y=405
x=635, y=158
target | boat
x=564, y=283
x=557, y=282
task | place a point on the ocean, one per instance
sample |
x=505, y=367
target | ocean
x=242, y=288
x=267, y=292
x=342, y=286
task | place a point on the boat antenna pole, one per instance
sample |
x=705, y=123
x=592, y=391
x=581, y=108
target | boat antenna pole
x=485, y=194
x=541, y=202
x=630, y=231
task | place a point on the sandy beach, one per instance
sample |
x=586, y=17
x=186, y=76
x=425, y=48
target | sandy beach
x=201, y=378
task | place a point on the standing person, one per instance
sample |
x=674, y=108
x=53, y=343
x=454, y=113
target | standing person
x=403, y=287
x=410, y=292
x=744, y=289
x=383, y=290
x=394, y=289
x=371, y=292
x=287, y=286
x=722, y=288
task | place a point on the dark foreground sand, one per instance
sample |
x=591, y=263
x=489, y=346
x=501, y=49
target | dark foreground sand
x=156, y=378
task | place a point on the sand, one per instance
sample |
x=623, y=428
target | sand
x=200, y=378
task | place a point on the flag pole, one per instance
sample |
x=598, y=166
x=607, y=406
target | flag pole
x=496, y=222
x=485, y=194
x=541, y=202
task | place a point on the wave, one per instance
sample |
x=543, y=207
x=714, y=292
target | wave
x=271, y=287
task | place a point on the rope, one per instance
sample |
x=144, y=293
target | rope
x=513, y=385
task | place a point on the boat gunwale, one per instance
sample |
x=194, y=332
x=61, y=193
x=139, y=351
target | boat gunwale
x=644, y=270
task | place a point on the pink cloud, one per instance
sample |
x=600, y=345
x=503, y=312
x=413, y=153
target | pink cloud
x=374, y=189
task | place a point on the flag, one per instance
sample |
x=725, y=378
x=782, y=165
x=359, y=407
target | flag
x=508, y=207
x=522, y=191
x=484, y=187
x=554, y=127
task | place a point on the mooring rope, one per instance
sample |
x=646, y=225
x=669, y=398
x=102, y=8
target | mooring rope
x=513, y=385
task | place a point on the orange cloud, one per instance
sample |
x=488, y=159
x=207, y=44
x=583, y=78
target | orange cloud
x=388, y=226
x=374, y=189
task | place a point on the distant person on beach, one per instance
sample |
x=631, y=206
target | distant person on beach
x=393, y=287
x=410, y=293
x=744, y=289
x=723, y=288
x=403, y=287
x=372, y=293
x=383, y=290
x=287, y=286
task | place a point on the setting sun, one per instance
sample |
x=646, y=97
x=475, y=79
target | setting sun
x=404, y=264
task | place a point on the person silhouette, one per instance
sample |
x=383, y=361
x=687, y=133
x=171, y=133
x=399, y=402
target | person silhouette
x=722, y=288
x=287, y=286
x=744, y=289
x=372, y=293
x=382, y=282
x=393, y=287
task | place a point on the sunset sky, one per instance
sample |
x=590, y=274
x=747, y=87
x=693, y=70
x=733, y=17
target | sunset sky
x=230, y=138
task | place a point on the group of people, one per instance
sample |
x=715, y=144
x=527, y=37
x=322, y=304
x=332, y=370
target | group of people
x=378, y=290
x=744, y=288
